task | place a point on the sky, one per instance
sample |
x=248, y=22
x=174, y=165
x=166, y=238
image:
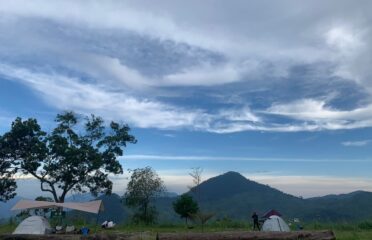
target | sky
x=280, y=91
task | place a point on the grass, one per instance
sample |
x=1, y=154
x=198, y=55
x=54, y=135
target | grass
x=345, y=231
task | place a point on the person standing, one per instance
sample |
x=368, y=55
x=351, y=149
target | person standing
x=255, y=221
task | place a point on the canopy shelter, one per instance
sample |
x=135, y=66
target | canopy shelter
x=91, y=207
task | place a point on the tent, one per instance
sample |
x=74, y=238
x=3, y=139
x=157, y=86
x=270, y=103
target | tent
x=33, y=225
x=275, y=224
x=271, y=213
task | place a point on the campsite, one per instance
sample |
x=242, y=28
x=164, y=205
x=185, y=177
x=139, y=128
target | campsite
x=276, y=226
x=186, y=119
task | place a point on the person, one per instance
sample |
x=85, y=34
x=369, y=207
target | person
x=255, y=221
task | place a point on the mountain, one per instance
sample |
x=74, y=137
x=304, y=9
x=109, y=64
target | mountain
x=5, y=207
x=354, y=206
x=80, y=197
x=233, y=196
x=114, y=210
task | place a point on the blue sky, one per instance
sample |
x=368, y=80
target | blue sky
x=279, y=91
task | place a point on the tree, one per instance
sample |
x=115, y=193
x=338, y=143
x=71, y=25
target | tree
x=202, y=218
x=7, y=183
x=196, y=174
x=185, y=206
x=78, y=154
x=144, y=186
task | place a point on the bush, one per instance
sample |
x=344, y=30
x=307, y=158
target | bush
x=366, y=225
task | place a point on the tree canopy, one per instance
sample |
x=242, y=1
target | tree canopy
x=143, y=187
x=185, y=206
x=78, y=154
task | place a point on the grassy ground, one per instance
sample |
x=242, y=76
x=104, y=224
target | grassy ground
x=361, y=231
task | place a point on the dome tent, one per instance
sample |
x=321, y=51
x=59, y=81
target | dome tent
x=275, y=224
x=33, y=225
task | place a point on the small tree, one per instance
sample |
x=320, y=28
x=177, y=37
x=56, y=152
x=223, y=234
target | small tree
x=185, y=206
x=196, y=174
x=143, y=187
x=202, y=218
x=76, y=155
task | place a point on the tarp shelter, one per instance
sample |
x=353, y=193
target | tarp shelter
x=275, y=224
x=33, y=225
x=91, y=207
x=272, y=213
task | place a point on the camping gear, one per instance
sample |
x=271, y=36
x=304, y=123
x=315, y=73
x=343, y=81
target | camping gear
x=91, y=207
x=84, y=231
x=108, y=224
x=70, y=229
x=275, y=224
x=33, y=225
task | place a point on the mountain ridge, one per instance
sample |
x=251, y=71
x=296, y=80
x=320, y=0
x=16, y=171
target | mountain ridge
x=234, y=196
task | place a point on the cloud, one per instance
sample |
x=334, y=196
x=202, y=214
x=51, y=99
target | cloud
x=317, y=113
x=356, y=143
x=125, y=51
x=135, y=157
x=65, y=92
x=205, y=75
x=69, y=93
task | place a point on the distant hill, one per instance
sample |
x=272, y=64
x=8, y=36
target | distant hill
x=6, y=206
x=114, y=210
x=346, y=207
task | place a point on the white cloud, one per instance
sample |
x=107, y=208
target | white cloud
x=350, y=52
x=254, y=47
x=356, y=143
x=206, y=75
x=131, y=157
x=69, y=93
x=65, y=92
x=317, y=113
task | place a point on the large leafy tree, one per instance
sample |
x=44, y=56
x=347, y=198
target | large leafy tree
x=185, y=206
x=144, y=186
x=78, y=154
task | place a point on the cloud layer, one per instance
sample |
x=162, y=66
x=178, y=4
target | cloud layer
x=228, y=67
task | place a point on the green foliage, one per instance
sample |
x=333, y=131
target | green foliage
x=185, y=206
x=143, y=187
x=202, y=218
x=43, y=211
x=366, y=225
x=77, y=155
x=229, y=223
